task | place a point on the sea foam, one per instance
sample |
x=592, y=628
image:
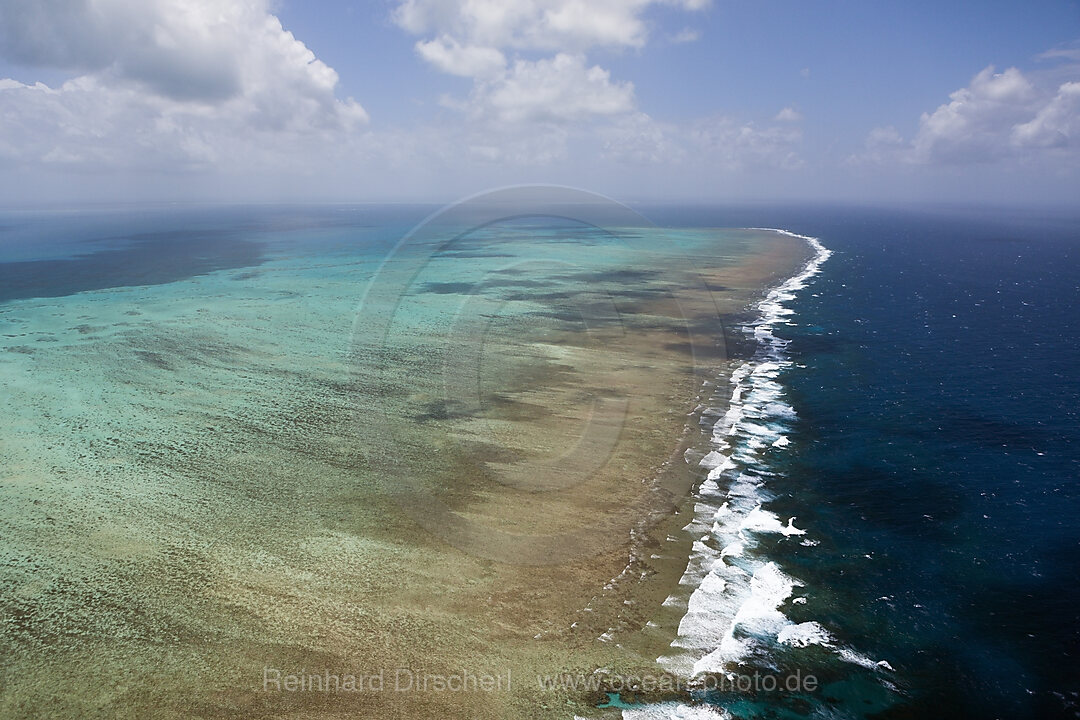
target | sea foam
x=737, y=597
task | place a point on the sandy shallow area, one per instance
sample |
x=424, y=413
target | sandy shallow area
x=215, y=485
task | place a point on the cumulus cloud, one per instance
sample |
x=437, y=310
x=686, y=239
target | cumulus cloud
x=976, y=121
x=471, y=38
x=788, y=114
x=207, y=50
x=1056, y=125
x=60, y=33
x=563, y=88
x=998, y=116
x=165, y=88
x=85, y=124
x=552, y=25
x=160, y=77
x=449, y=56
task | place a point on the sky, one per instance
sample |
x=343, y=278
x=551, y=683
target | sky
x=642, y=100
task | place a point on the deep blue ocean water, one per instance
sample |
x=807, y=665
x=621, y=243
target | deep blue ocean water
x=937, y=455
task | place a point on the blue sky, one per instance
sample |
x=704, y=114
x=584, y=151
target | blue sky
x=698, y=100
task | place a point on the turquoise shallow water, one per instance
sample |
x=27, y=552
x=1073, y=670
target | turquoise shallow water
x=207, y=460
x=210, y=459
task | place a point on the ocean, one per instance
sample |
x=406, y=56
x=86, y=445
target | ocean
x=887, y=499
x=931, y=402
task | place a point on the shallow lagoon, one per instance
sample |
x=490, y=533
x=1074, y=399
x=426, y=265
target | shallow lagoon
x=212, y=465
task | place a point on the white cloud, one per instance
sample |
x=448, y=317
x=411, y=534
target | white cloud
x=686, y=35
x=198, y=50
x=788, y=114
x=87, y=124
x=549, y=25
x=1056, y=125
x=1061, y=53
x=563, y=88
x=180, y=81
x=220, y=96
x=998, y=116
x=449, y=56
x=972, y=127
x=472, y=35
